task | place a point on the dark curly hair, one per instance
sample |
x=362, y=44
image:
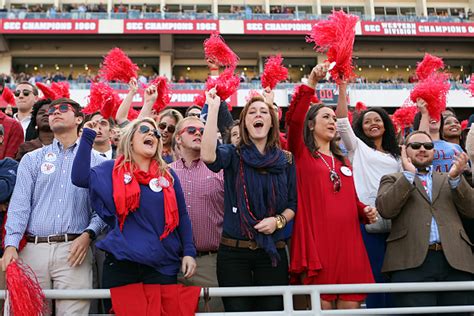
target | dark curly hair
x=389, y=138
x=31, y=132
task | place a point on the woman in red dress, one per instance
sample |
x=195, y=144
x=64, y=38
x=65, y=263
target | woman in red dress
x=327, y=246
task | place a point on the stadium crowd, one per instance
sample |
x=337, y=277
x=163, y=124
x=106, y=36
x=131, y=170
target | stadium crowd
x=337, y=197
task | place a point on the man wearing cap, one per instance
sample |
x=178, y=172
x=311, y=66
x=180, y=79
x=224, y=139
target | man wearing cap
x=427, y=242
x=26, y=95
x=55, y=215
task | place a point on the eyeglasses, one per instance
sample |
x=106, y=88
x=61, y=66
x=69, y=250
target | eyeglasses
x=25, y=93
x=417, y=145
x=63, y=108
x=191, y=130
x=145, y=129
x=164, y=125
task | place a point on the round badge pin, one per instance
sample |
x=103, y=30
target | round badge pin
x=163, y=182
x=154, y=185
x=346, y=171
x=127, y=178
x=50, y=157
x=47, y=168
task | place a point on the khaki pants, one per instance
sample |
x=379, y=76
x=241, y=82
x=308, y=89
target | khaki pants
x=206, y=276
x=49, y=262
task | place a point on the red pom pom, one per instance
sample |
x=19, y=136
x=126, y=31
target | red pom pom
x=200, y=99
x=8, y=97
x=26, y=298
x=132, y=114
x=61, y=89
x=470, y=87
x=335, y=37
x=48, y=93
x=433, y=90
x=218, y=52
x=404, y=117
x=274, y=72
x=117, y=66
x=252, y=94
x=429, y=65
x=360, y=106
x=226, y=84
x=104, y=99
x=163, y=89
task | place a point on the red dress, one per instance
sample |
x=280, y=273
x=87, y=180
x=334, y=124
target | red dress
x=326, y=245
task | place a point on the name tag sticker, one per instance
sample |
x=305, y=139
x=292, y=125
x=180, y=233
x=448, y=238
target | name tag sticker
x=47, y=168
x=50, y=157
x=234, y=209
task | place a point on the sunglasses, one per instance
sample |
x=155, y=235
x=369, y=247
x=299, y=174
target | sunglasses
x=191, y=130
x=163, y=126
x=25, y=93
x=336, y=181
x=63, y=108
x=145, y=129
x=416, y=145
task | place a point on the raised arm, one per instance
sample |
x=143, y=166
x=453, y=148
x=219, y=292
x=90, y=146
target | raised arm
x=425, y=118
x=209, y=139
x=341, y=109
x=343, y=125
x=122, y=112
x=81, y=168
x=150, y=95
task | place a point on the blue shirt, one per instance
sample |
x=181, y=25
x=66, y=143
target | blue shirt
x=444, y=155
x=44, y=201
x=139, y=241
x=8, y=168
x=427, y=180
x=228, y=159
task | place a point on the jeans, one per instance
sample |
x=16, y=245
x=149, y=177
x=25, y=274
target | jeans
x=246, y=267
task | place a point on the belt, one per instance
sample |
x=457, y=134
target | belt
x=249, y=244
x=52, y=238
x=205, y=253
x=435, y=247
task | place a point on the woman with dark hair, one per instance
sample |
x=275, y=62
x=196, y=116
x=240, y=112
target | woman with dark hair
x=326, y=246
x=259, y=200
x=452, y=131
x=232, y=134
x=38, y=132
x=373, y=151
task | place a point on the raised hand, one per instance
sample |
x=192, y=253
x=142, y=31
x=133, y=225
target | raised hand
x=318, y=73
x=133, y=85
x=151, y=94
x=421, y=105
x=459, y=165
x=268, y=95
x=406, y=162
x=212, y=99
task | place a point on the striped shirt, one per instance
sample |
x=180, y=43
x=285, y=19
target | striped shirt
x=44, y=201
x=204, y=194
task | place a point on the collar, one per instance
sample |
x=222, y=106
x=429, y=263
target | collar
x=108, y=153
x=57, y=145
x=429, y=169
x=194, y=163
x=15, y=116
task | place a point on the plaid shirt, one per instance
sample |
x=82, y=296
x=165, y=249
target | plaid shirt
x=204, y=194
x=13, y=136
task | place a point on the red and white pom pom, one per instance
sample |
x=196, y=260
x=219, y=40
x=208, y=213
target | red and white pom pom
x=48, y=93
x=200, y=99
x=335, y=38
x=8, y=97
x=433, y=90
x=164, y=93
x=404, y=117
x=226, y=84
x=464, y=124
x=274, y=72
x=24, y=294
x=61, y=89
x=429, y=65
x=360, y=106
x=103, y=99
x=470, y=87
x=118, y=66
x=216, y=50
x=252, y=94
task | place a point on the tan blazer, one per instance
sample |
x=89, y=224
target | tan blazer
x=410, y=209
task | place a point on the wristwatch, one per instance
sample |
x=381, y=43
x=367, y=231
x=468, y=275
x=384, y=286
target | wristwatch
x=279, y=222
x=91, y=233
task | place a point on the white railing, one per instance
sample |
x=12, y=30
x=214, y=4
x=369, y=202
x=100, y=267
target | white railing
x=314, y=291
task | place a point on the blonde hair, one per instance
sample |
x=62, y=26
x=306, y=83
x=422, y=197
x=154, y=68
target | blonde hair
x=180, y=124
x=125, y=145
x=171, y=113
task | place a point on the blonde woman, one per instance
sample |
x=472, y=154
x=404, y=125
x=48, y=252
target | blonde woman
x=168, y=119
x=141, y=200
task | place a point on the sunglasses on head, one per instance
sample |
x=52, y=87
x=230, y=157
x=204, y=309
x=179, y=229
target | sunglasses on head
x=191, y=130
x=63, y=108
x=145, y=129
x=164, y=125
x=25, y=92
x=417, y=145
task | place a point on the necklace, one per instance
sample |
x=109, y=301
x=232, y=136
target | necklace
x=333, y=176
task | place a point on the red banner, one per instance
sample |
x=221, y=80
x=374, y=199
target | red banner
x=170, y=26
x=278, y=27
x=417, y=29
x=179, y=98
x=43, y=26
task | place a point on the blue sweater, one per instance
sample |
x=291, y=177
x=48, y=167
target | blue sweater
x=8, y=168
x=139, y=241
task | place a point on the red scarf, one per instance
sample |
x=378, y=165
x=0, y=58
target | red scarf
x=127, y=195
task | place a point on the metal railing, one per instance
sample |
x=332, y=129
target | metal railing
x=315, y=292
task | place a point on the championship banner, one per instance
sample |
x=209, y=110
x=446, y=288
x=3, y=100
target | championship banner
x=170, y=26
x=278, y=27
x=45, y=26
x=417, y=29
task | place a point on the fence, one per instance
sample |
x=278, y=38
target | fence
x=314, y=291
